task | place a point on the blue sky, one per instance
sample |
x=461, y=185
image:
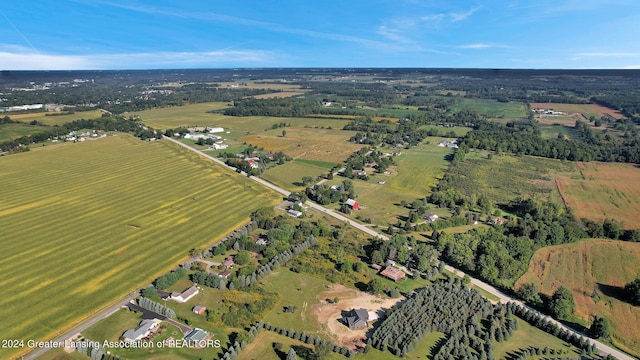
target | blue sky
x=145, y=34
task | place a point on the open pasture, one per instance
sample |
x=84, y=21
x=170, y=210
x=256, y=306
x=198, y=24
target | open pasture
x=56, y=119
x=492, y=108
x=606, y=190
x=292, y=172
x=585, y=109
x=281, y=94
x=306, y=143
x=198, y=115
x=187, y=115
x=416, y=172
x=594, y=270
x=504, y=178
x=12, y=131
x=85, y=224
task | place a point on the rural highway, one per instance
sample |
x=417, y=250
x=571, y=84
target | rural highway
x=80, y=328
x=504, y=298
x=488, y=288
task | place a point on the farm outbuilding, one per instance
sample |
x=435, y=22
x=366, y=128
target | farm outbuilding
x=353, y=204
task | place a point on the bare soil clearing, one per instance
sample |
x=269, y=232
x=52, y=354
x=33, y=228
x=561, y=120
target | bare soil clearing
x=330, y=314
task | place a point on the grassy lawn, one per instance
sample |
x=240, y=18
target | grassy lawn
x=492, y=108
x=292, y=172
x=424, y=349
x=262, y=347
x=12, y=131
x=418, y=170
x=60, y=354
x=300, y=290
x=86, y=223
x=530, y=336
x=594, y=270
x=58, y=119
x=109, y=328
x=327, y=145
x=114, y=326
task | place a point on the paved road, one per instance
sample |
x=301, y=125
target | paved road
x=490, y=289
x=82, y=327
x=504, y=298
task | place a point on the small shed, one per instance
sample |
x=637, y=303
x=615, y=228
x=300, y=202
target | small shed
x=353, y=204
x=199, y=309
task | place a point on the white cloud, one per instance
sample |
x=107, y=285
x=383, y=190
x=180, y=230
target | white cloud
x=605, y=54
x=479, y=46
x=19, y=59
x=455, y=17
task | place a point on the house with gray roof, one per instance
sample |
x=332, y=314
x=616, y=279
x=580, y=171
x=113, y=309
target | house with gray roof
x=143, y=330
x=356, y=319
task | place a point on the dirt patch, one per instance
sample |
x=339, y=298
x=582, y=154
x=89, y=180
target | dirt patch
x=329, y=314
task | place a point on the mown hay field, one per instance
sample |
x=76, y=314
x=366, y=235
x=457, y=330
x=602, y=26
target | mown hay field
x=606, y=190
x=86, y=224
x=199, y=115
x=594, y=270
x=328, y=145
x=13, y=131
x=492, y=108
x=584, y=109
x=289, y=175
x=417, y=171
x=56, y=119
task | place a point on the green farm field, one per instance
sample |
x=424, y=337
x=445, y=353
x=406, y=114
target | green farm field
x=12, y=131
x=584, y=109
x=328, y=145
x=504, y=177
x=198, y=115
x=594, y=270
x=57, y=119
x=292, y=172
x=529, y=336
x=604, y=190
x=418, y=170
x=492, y=108
x=85, y=224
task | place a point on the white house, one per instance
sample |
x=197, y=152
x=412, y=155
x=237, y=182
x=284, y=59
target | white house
x=216, y=130
x=218, y=146
x=185, y=295
x=143, y=330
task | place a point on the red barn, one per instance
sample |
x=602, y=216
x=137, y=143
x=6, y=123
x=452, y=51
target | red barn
x=353, y=204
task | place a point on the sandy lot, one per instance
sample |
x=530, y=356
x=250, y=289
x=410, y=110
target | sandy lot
x=330, y=314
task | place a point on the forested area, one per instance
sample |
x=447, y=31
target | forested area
x=448, y=308
x=524, y=138
x=501, y=254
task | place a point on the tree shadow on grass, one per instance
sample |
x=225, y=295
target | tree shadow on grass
x=616, y=292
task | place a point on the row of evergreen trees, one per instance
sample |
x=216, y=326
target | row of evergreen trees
x=541, y=322
x=157, y=308
x=450, y=308
x=242, y=281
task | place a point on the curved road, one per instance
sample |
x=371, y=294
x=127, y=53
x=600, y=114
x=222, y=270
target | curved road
x=605, y=349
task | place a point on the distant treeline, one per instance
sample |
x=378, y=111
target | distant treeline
x=524, y=138
x=104, y=123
